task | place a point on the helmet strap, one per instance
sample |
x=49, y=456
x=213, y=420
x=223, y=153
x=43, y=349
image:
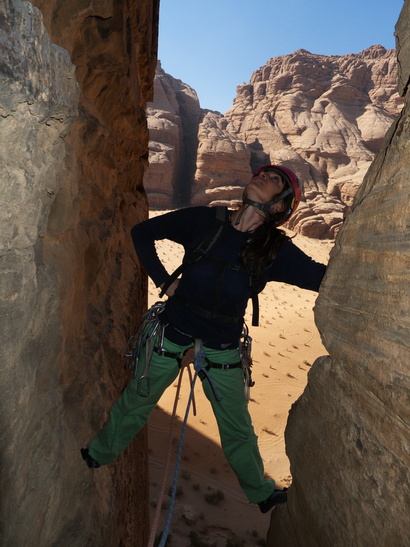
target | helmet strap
x=265, y=207
x=238, y=220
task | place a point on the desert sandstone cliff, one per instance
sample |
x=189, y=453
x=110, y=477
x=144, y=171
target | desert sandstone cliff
x=75, y=79
x=323, y=116
x=347, y=435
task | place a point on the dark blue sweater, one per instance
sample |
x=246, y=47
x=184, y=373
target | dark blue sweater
x=201, y=281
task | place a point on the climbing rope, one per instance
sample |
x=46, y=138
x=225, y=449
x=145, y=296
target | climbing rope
x=184, y=366
x=201, y=371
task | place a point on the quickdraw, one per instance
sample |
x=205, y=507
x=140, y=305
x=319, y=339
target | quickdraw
x=149, y=335
x=245, y=349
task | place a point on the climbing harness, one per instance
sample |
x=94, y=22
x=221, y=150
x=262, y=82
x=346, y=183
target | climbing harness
x=149, y=337
x=150, y=334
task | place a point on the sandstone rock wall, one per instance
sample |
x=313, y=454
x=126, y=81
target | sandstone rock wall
x=173, y=119
x=73, y=138
x=347, y=436
x=223, y=163
x=323, y=116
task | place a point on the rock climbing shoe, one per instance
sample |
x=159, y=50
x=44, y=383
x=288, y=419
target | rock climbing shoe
x=277, y=496
x=92, y=464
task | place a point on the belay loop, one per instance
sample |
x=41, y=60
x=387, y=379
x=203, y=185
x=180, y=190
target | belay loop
x=201, y=371
x=150, y=334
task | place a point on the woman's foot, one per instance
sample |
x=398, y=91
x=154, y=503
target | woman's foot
x=89, y=460
x=277, y=496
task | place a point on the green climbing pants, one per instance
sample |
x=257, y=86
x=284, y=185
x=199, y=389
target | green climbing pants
x=131, y=411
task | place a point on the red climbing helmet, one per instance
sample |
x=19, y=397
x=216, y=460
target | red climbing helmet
x=291, y=194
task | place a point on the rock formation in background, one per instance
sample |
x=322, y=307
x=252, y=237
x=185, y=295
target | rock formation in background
x=223, y=162
x=323, y=116
x=73, y=135
x=173, y=120
x=347, y=436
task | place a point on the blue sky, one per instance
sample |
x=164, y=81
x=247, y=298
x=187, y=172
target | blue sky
x=214, y=45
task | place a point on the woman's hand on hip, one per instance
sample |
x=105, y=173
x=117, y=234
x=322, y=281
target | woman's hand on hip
x=172, y=288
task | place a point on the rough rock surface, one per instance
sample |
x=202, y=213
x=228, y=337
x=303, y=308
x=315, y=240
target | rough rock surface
x=347, y=436
x=71, y=289
x=323, y=116
x=223, y=160
x=173, y=120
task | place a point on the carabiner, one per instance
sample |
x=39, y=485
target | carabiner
x=139, y=386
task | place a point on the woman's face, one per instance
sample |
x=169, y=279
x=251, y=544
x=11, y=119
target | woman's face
x=264, y=187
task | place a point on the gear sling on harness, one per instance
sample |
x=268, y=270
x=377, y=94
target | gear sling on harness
x=203, y=250
x=149, y=337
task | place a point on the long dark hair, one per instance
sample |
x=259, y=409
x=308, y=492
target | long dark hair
x=262, y=249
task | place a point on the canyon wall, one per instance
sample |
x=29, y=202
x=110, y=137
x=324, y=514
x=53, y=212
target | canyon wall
x=75, y=80
x=173, y=120
x=347, y=436
x=322, y=116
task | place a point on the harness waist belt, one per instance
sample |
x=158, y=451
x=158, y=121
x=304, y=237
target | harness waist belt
x=207, y=313
x=222, y=366
x=210, y=364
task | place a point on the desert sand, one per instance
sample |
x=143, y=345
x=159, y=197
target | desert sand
x=285, y=345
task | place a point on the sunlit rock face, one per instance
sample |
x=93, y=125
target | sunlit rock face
x=75, y=80
x=322, y=116
x=223, y=163
x=347, y=435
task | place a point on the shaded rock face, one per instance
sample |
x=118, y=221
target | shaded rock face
x=347, y=436
x=324, y=117
x=73, y=138
x=173, y=120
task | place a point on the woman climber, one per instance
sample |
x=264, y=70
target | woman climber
x=208, y=302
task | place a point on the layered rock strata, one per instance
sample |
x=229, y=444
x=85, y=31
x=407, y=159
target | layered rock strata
x=173, y=120
x=73, y=140
x=322, y=116
x=347, y=435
